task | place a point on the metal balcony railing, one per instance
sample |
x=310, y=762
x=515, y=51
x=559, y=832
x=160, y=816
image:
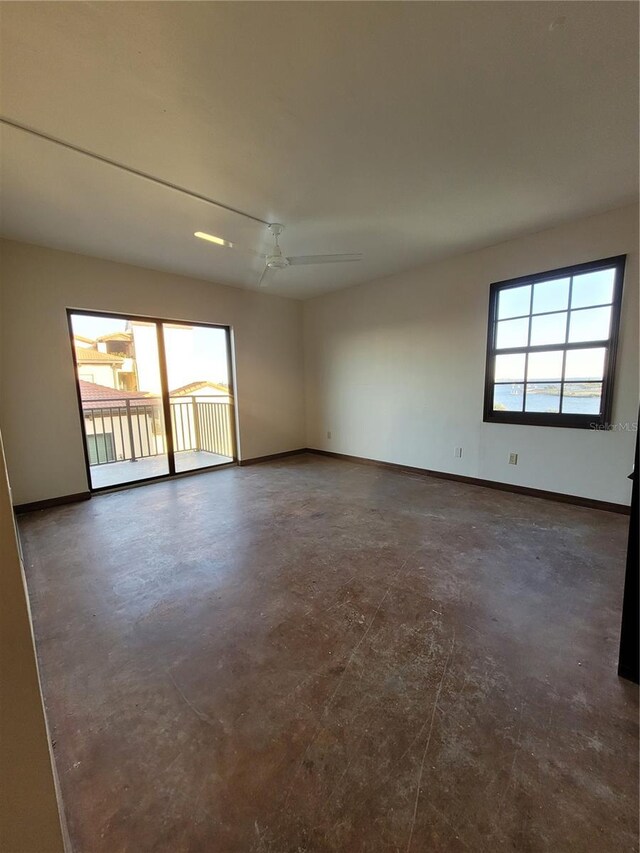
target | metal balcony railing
x=201, y=424
x=132, y=429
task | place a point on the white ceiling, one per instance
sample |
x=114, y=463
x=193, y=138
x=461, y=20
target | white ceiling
x=405, y=131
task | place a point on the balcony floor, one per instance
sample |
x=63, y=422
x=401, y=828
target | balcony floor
x=115, y=473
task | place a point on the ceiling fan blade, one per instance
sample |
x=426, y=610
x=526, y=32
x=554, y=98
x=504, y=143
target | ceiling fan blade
x=263, y=281
x=301, y=260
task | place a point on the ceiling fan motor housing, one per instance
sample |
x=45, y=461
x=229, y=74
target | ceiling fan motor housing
x=277, y=262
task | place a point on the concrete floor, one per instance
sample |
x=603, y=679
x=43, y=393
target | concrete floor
x=312, y=655
x=114, y=473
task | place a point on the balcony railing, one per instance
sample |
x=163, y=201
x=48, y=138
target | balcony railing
x=201, y=424
x=132, y=429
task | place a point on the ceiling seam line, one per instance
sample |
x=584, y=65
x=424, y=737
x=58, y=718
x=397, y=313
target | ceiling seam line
x=130, y=169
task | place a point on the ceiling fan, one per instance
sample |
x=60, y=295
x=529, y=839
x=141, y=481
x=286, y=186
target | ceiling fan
x=277, y=261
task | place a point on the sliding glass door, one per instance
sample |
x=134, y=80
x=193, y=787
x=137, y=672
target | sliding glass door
x=198, y=374
x=155, y=397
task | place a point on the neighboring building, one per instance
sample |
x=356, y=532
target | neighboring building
x=107, y=361
x=81, y=341
x=116, y=343
x=115, y=422
x=203, y=389
x=100, y=368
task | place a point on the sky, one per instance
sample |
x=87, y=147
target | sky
x=202, y=356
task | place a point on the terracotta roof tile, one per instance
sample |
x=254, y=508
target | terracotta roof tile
x=116, y=336
x=192, y=387
x=101, y=397
x=84, y=354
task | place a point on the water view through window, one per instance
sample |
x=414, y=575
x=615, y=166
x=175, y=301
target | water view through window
x=551, y=340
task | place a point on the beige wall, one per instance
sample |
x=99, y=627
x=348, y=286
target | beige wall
x=37, y=387
x=421, y=336
x=29, y=820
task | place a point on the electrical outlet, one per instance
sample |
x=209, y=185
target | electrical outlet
x=513, y=459
x=328, y=433
x=457, y=452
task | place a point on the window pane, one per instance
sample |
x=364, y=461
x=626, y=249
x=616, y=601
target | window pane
x=543, y=397
x=591, y=324
x=551, y=295
x=514, y=302
x=585, y=364
x=592, y=288
x=512, y=333
x=508, y=398
x=545, y=366
x=548, y=329
x=510, y=368
x=583, y=398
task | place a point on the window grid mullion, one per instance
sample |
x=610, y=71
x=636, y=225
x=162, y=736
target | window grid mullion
x=550, y=347
x=562, y=379
x=556, y=311
x=564, y=352
x=526, y=357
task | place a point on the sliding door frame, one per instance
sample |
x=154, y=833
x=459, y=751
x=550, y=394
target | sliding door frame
x=159, y=322
x=166, y=400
